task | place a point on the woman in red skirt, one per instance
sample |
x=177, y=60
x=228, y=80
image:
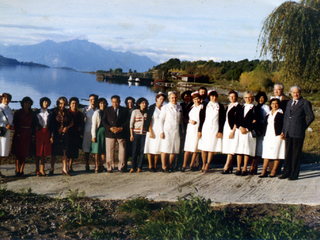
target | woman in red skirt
x=44, y=135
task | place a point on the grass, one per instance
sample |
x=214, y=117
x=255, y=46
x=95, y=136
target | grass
x=311, y=147
x=101, y=234
x=194, y=218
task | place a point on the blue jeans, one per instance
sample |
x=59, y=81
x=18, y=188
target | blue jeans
x=138, y=149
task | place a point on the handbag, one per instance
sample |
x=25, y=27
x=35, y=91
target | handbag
x=3, y=130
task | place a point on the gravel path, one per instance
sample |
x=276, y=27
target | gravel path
x=221, y=189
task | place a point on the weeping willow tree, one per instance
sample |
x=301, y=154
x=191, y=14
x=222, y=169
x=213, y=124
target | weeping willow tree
x=291, y=36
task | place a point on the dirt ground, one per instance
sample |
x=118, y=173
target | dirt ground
x=36, y=217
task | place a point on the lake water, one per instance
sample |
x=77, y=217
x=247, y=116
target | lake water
x=36, y=83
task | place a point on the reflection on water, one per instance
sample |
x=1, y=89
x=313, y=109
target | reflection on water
x=24, y=81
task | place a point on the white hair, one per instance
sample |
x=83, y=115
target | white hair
x=280, y=85
x=295, y=86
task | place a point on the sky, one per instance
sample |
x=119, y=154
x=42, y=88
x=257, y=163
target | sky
x=218, y=30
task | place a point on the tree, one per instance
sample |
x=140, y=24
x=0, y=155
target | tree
x=257, y=80
x=291, y=34
x=117, y=70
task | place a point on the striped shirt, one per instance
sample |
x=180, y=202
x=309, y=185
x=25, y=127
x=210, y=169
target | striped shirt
x=137, y=121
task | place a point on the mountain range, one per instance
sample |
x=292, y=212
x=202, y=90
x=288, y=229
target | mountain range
x=80, y=55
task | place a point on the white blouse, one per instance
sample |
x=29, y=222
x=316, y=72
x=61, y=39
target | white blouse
x=43, y=117
x=5, y=109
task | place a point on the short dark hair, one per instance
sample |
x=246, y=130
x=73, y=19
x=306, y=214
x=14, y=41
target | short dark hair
x=116, y=96
x=261, y=94
x=7, y=95
x=45, y=99
x=74, y=99
x=95, y=96
x=62, y=98
x=129, y=98
x=233, y=92
x=140, y=100
x=202, y=88
x=275, y=99
x=188, y=92
x=161, y=95
x=101, y=100
x=26, y=99
x=213, y=93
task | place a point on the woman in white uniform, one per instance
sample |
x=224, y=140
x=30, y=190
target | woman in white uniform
x=170, y=127
x=246, y=122
x=152, y=124
x=212, y=119
x=6, y=118
x=230, y=135
x=273, y=145
x=87, y=137
x=192, y=138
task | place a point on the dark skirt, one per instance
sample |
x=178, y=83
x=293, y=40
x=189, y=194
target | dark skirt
x=21, y=143
x=60, y=144
x=75, y=143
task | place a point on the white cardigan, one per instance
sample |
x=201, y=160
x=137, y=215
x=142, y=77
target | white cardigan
x=96, y=121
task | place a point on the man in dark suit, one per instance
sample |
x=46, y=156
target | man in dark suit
x=115, y=120
x=297, y=118
x=278, y=91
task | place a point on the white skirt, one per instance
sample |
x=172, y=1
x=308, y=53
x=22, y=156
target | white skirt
x=191, y=141
x=151, y=145
x=246, y=144
x=229, y=146
x=273, y=148
x=5, y=144
x=209, y=141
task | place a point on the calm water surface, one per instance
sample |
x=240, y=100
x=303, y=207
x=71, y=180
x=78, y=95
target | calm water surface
x=39, y=82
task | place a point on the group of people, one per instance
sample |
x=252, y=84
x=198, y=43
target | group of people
x=173, y=132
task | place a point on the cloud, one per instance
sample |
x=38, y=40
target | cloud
x=29, y=27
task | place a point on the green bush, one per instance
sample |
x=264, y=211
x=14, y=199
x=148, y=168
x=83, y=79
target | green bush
x=194, y=218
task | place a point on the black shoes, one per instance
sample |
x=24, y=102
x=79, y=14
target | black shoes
x=264, y=175
x=292, y=178
x=245, y=173
x=238, y=173
x=228, y=171
x=284, y=176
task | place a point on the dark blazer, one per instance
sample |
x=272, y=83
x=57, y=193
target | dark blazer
x=185, y=112
x=232, y=115
x=222, y=118
x=297, y=118
x=283, y=103
x=278, y=123
x=50, y=123
x=150, y=112
x=110, y=120
x=248, y=120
